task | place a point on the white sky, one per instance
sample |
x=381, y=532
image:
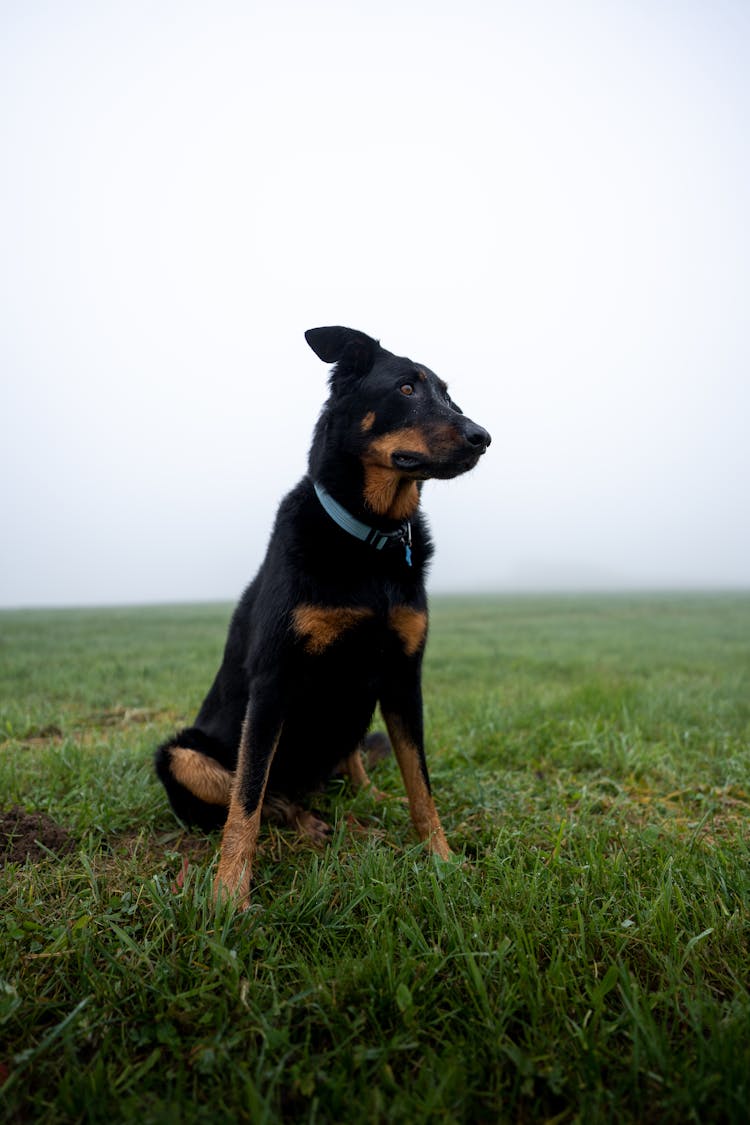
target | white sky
x=547, y=203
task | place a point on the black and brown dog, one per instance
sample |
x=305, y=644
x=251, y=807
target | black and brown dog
x=335, y=621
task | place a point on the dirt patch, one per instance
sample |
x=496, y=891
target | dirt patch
x=25, y=835
x=124, y=716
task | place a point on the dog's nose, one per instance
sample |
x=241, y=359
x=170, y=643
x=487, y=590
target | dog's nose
x=477, y=436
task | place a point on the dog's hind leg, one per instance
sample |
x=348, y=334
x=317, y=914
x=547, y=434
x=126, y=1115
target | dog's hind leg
x=353, y=768
x=280, y=810
x=374, y=748
x=197, y=784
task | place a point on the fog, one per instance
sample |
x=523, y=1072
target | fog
x=545, y=203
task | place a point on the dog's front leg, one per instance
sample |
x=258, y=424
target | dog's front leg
x=258, y=742
x=402, y=711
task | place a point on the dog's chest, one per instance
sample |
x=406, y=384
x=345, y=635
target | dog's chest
x=325, y=629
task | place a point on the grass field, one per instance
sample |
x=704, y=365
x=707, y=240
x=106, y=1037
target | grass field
x=586, y=961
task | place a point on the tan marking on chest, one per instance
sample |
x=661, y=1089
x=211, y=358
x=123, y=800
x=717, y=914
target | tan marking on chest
x=322, y=625
x=411, y=626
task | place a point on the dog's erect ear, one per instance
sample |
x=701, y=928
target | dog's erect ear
x=346, y=346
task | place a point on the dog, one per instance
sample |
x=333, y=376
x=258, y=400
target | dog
x=335, y=621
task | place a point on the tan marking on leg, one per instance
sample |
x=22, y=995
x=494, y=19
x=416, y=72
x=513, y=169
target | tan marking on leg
x=322, y=625
x=421, y=806
x=411, y=626
x=240, y=838
x=367, y=422
x=238, y=846
x=204, y=777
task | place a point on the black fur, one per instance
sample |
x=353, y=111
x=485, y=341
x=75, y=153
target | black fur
x=316, y=695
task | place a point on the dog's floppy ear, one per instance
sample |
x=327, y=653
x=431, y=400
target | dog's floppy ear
x=347, y=347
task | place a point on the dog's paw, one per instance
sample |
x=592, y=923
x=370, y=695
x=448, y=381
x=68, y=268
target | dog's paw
x=438, y=846
x=232, y=885
x=313, y=828
x=376, y=794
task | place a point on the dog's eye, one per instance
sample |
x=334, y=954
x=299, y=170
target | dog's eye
x=407, y=389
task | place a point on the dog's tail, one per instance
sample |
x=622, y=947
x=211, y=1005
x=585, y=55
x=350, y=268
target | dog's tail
x=197, y=784
x=375, y=747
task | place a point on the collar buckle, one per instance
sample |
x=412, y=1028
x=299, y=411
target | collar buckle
x=372, y=536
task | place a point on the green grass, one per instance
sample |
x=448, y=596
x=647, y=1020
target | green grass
x=587, y=961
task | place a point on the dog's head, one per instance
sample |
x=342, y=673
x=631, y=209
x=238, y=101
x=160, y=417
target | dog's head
x=395, y=415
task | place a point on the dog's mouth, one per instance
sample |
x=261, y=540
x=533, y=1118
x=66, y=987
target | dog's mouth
x=419, y=467
x=407, y=462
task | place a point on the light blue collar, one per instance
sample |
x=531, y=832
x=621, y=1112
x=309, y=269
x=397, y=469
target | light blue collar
x=372, y=536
